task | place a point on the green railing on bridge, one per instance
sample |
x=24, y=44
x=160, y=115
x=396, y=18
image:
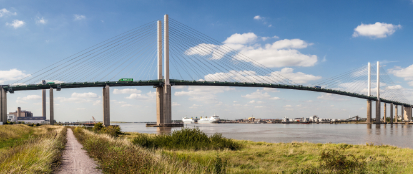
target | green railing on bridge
x=189, y=83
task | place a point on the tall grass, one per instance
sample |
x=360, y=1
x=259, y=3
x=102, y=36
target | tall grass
x=40, y=153
x=13, y=131
x=186, y=138
x=117, y=155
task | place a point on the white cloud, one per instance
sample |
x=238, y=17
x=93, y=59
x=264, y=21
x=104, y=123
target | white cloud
x=266, y=38
x=29, y=97
x=194, y=106
x=89, y=97
x=270, y=25
x=97, y=102
x=331, y=97
x=80, y=108
x=12, y=75
x=259, y=94
x=5, y=12
x=252, y=76
x=406, y=73
x=377, y=30
x=257, y=17
x=271, y=89
x=205, y=94
x=259, y=102
x=126, y=105
x=148, y=96
x=41, y=20
x=126, y=91
x=79, y=17
x=278, y=54
x=394, y=87
x=175, y=104
x=16, y=23
x=259, y=106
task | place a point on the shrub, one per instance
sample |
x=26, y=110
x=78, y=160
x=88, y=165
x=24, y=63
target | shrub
x=113, y=131
x=337, y=162
x=97, y=127
x=186, y=138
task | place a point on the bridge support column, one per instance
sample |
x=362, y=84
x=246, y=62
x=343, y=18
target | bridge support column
x=409, y=116
x=385, y=113
x=159, y=106
x=106, y=106
x=391, y=113
x=405, y=112
x=43, y=100
x=167, y=110
x=51, y=106
x=369, y=111
x=378, y=112
x=3, y=105
x=396, y=113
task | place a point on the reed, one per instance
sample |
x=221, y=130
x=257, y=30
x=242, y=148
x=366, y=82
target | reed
x=118, y=155
x=39, y=153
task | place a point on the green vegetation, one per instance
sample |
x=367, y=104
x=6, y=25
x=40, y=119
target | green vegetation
x=186, y=138
x=113, y=131
x=118, y=155
x=36, y=149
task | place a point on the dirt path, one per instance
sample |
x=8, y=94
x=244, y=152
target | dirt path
x=75, y=159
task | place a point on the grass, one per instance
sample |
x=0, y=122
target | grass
x=186, y=138
x=119, y=155
x=299, y=157
x=38, y=149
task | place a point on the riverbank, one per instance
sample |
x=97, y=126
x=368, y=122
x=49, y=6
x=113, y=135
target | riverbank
x=25, y=149
x=296, y=157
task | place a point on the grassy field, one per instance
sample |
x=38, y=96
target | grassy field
x=119, y=155
x=261, y=157
x=25, y=149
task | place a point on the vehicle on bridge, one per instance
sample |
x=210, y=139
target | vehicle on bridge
x=50, y=83
x=126, y=80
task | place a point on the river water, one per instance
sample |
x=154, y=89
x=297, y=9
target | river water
x=398, y=134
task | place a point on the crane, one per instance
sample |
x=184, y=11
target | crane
x=94, y=120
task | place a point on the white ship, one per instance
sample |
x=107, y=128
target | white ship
x=212, y=119
x=187, y=120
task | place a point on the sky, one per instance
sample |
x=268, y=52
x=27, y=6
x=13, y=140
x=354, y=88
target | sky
x=304, y=40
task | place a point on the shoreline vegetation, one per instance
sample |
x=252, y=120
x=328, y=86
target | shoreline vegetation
x=38, y=149
x=155, y=154
x=31, y=149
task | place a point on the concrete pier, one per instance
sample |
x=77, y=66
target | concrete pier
x=384, y=115
x=369, y=111
x=51, y=106
x=391, y=113
x=378, y=112
x=405, y=112
x=3, y=105
x=396, y=114
x=43, y=100
x=167, y=100
x=106, y=106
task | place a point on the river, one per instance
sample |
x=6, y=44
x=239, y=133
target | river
x=398, y=134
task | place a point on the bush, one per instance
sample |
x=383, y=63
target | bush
x=113, y=131
x=98, y=127
x=337, y=162
x=186, y=138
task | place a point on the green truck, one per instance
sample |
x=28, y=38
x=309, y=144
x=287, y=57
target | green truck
x=126, y=79
x=50, y=83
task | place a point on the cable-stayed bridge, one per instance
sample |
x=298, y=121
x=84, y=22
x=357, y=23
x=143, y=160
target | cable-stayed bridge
x=174, y=54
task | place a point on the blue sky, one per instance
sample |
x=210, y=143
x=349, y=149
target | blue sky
x=330, y=37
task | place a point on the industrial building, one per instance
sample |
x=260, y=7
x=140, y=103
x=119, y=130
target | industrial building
x=22, y=113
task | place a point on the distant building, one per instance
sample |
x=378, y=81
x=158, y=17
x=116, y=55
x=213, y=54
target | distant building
x=21, y=113
x=32, y=119
x=11, y=118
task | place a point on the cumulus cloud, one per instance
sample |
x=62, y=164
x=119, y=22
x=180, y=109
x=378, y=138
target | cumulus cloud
x=406, y=73
x=331, y=97
x=252, y=76
x=175, y=104
x=258, y=17
x=11, y=75
x=79, y=17
x=259, y=94
x=148, y=96
x=16, y=24
x=5, y=12
x=41, y=20
x=126, y=91
x=194, y=106
x=89, y=97
x=377, y=30
x=205, y=94
x=29, y=97
x=280, y=53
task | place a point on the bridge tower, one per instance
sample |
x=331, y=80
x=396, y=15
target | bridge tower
x=378, y=102
x=3, y=105
x=163, y=91
x=369, y=93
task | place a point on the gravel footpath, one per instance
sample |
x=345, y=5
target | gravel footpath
x=75, y=159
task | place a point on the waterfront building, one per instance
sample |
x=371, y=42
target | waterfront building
x=21, y=113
